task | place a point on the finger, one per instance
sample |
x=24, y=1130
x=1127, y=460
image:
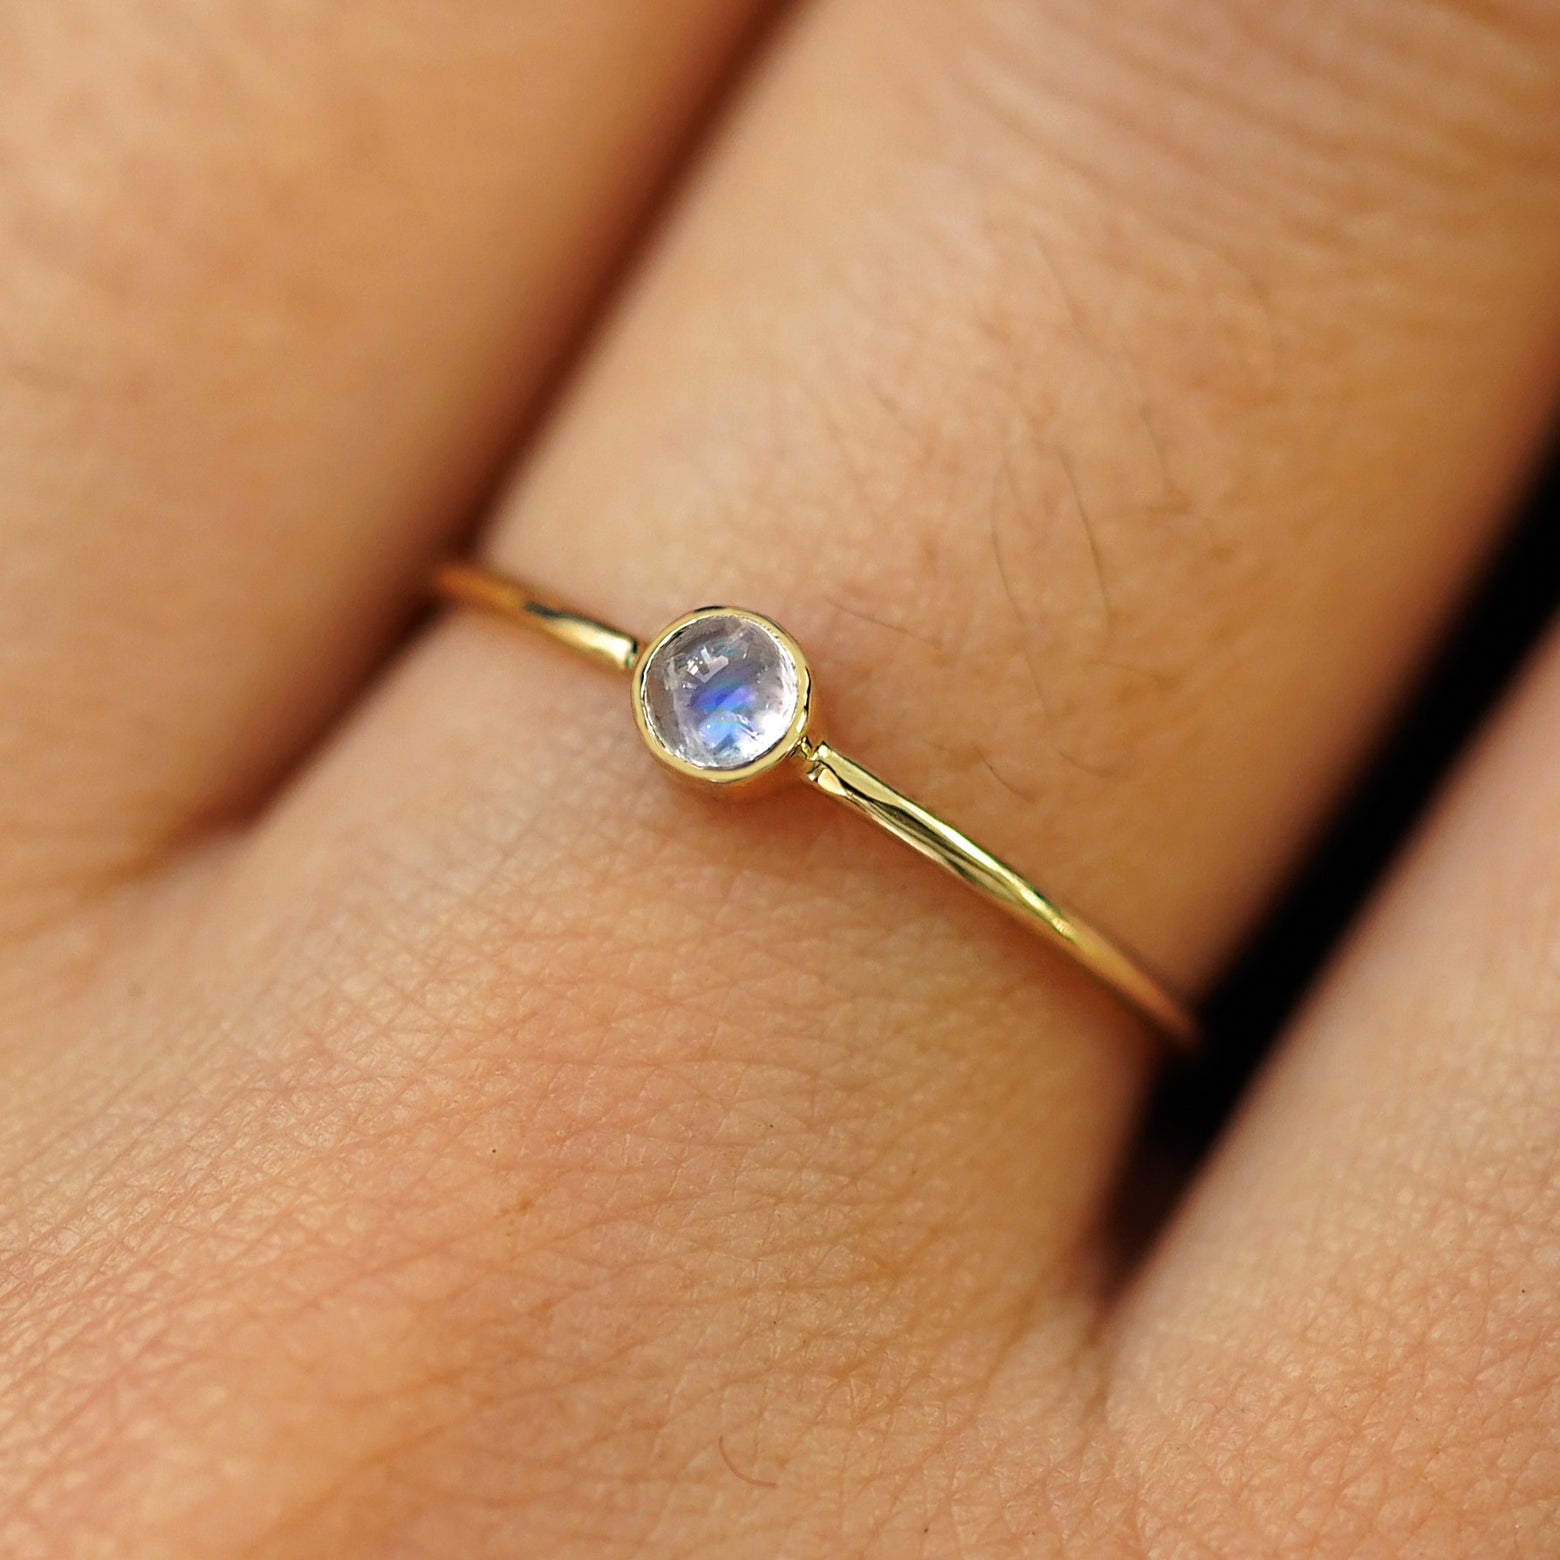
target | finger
x=1043, y=374
x=1366, y=1290
x=1056, y=579
x=277, y=285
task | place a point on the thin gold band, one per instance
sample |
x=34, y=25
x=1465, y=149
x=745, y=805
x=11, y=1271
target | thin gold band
x=848, y=782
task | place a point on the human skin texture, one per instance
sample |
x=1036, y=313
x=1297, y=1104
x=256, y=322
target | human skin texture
x=429, y=1132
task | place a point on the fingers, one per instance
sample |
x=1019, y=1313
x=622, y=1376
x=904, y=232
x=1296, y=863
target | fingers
x=277, y=284
x=1051, y=376
x=1367, y=1288
x=1054, y=458
x=1112, y=450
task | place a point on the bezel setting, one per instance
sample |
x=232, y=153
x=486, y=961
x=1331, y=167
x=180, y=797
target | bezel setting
x=776, y=763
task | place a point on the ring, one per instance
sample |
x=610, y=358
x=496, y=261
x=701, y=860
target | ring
x=723, y=697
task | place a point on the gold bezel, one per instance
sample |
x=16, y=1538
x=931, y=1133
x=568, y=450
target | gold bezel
x=761, y=773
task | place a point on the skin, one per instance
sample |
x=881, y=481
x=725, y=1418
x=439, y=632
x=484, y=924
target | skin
x=428, y=1132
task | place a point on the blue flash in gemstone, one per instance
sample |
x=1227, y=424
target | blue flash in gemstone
x=721, y=692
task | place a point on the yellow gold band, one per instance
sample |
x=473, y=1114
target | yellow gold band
x=744, y=756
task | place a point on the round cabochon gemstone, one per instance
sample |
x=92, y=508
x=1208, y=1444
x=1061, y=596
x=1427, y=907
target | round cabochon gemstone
x=720, y=692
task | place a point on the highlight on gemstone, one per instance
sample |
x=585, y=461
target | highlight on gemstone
x=720, y=692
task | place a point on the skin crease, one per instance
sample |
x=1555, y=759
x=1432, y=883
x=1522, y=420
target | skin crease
x=480, y=1147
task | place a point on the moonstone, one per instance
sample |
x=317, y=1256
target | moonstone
x=720, y=692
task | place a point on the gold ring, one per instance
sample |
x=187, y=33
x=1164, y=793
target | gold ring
x=723, y=697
